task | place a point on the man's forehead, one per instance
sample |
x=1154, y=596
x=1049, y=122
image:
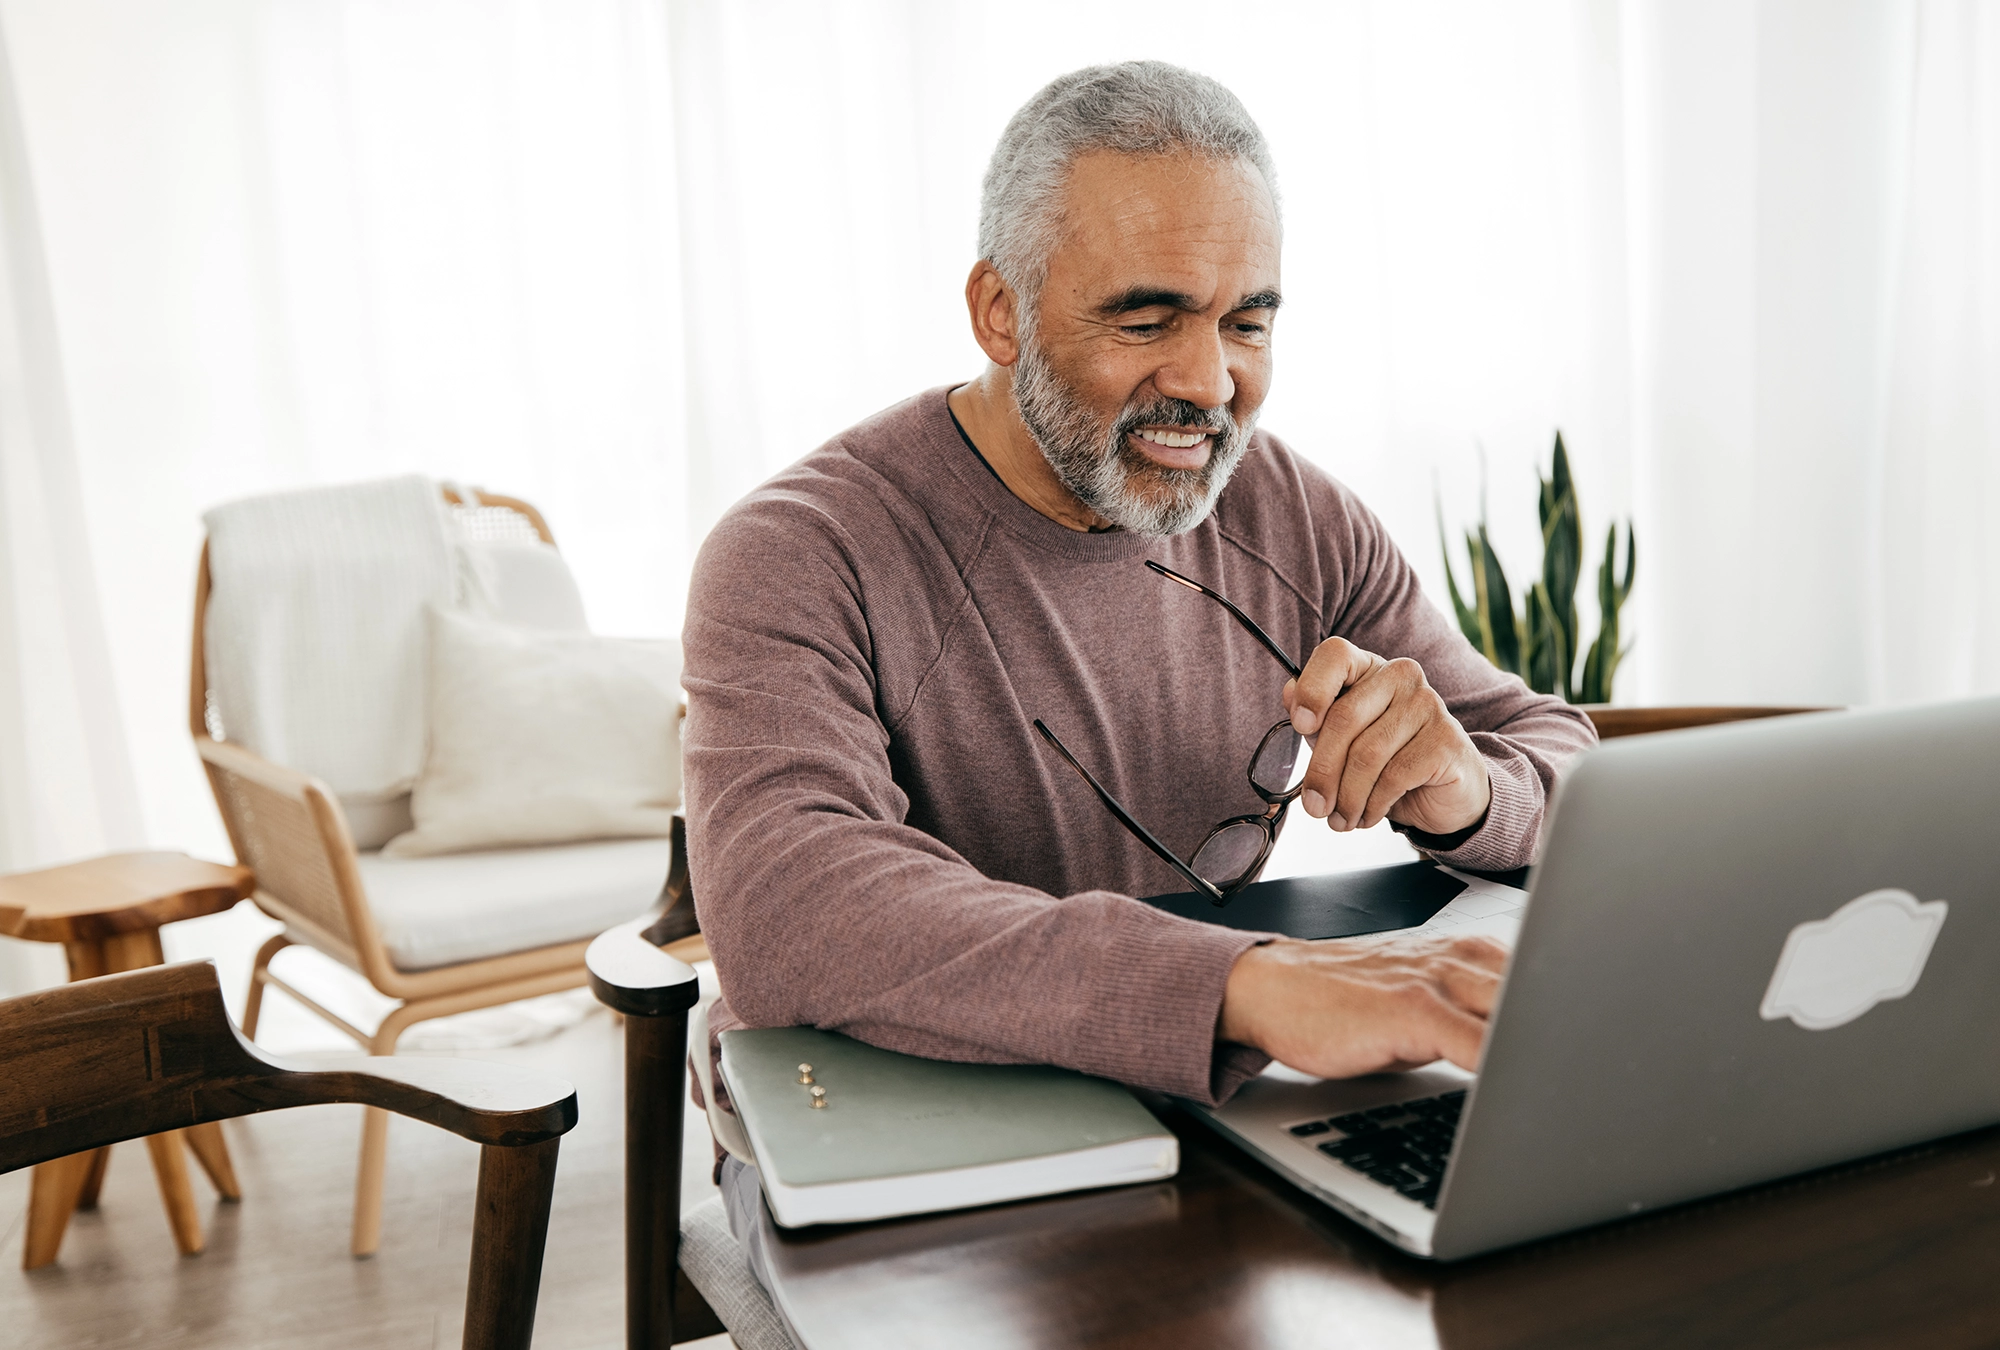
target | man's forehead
x=1183, y=230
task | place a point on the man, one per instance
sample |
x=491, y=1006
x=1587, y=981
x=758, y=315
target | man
x=881, y=841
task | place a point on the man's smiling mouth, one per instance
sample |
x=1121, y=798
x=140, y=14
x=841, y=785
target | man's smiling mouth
x=1173, y=440
x=1173, y=449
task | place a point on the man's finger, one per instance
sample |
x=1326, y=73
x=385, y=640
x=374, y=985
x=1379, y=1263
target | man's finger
x=1473, y=988
x=1384, y=745
x=1459, y=1036
x=1334, y=665
x=1354, y=713
x=1414, y=765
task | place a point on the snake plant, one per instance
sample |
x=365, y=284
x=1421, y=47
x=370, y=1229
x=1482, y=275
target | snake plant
x=1540, y=643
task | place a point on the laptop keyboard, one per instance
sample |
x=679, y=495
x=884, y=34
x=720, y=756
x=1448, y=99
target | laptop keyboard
x=1404, y=1146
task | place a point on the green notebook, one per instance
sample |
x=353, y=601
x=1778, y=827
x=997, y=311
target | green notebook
x=903, y=1135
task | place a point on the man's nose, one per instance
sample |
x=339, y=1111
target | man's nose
x=1197, y=370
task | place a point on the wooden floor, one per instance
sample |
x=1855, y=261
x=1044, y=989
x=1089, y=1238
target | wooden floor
x=277, y=1272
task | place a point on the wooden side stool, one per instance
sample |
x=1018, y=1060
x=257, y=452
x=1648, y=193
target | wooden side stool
x=107, y=914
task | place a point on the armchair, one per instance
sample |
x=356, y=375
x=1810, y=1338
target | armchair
x=118, y=1057
x=495, y=913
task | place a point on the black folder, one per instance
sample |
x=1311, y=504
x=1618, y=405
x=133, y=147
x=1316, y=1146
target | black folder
x=1339, y=904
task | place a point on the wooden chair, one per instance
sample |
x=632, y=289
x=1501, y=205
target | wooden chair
x=289, y=828
x=118, y=1057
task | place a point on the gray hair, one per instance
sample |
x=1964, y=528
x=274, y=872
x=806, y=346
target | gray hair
x=1135, y=108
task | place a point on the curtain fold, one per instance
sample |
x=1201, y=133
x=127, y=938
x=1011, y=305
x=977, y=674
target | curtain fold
x=66, y=781
x=1936, y=549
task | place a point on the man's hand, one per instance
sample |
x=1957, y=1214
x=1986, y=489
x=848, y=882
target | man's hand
x=1376, y=1004
x=1387, y=745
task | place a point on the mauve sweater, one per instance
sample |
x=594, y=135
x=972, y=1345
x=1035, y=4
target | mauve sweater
x=879, y=842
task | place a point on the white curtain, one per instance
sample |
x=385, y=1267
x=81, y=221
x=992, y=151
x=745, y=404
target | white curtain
x=66, y=774
x=627, y=257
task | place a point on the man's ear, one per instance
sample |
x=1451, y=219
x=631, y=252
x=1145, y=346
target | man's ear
x=991, y=303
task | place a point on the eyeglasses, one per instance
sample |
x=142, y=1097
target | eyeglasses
x=1234, y=851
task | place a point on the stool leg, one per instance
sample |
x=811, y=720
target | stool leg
x=170, y=1166
x=51, y=1198
x=212, y=1152
x=93, y=1180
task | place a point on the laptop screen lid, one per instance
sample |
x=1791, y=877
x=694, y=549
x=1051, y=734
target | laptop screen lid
x=1736, y=966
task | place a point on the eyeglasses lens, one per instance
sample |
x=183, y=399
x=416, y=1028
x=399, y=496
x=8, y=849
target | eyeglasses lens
x=1278, y=765
x=1229, y=853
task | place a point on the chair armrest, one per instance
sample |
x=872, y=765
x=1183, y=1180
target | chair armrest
x=479, y=1100
x=629, y=972
x=632, y=976
x=288, y=828
x=143, y=1052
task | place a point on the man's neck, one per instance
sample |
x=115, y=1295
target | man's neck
x=985, y=409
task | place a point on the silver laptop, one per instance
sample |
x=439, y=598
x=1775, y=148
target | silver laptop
x=1747, y=951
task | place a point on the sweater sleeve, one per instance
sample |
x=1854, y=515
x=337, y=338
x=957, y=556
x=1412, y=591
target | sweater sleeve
x=1526, y=738
x=823, y=907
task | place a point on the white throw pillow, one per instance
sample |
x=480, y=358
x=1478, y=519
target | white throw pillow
x=540, y=737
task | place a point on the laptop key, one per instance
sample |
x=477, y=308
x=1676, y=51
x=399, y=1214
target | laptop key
x=1311, y=1127
x=1404, y=1146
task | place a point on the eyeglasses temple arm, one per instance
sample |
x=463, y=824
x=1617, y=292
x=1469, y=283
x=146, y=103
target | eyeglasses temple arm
x=1139, y=832
x=1270, y=643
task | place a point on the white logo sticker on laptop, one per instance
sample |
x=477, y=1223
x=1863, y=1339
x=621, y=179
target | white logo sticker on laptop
x=1870, y=949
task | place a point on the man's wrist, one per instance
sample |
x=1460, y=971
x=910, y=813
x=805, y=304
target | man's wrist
x=1443, y=843
x=1237, y=1020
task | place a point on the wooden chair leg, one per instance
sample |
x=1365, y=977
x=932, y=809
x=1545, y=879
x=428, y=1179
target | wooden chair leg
x=51, y=1199
x=509, y=1231
x=368, y=1181
x=212, y=1152
x=656, y=1050
x=93, y=1180
x=374, y=1167
x=170, y=1166
x=253, y=1002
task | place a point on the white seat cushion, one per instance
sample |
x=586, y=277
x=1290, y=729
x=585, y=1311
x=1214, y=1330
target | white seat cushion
x=465, y=906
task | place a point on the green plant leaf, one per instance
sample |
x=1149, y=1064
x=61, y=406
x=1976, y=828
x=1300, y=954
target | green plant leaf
x=1468, y=616
x=1502, y=629
x=1562, y=556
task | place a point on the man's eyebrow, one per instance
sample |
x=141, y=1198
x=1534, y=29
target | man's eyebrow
x=1148, y=297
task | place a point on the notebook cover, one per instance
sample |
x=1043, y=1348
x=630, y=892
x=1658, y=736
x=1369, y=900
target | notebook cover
x=889, y=1114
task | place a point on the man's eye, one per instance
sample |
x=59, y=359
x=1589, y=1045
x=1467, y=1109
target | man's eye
x=1249, y=329
x=1141, y=329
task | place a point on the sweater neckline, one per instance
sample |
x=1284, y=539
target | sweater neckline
x=971, y=472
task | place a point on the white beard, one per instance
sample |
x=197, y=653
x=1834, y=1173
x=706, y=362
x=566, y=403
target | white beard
x=1105, y=473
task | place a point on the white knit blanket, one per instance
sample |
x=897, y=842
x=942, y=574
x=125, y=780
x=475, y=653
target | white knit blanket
x=316, y=643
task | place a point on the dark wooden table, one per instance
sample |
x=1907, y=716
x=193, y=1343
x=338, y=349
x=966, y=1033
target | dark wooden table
x=1897, y=1252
